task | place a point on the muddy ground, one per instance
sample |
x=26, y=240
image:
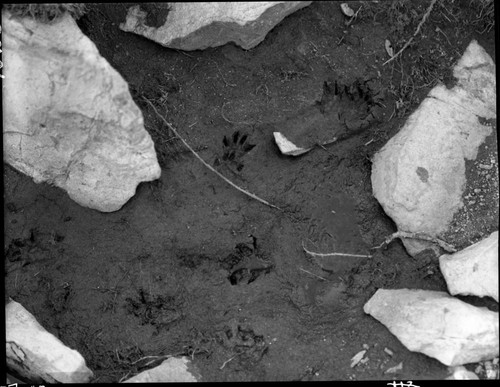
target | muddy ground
x=190, y=266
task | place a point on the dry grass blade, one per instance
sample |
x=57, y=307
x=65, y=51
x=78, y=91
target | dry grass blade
x=249, y=194
x=312, y=253
x=151, y=359
x=228, y=360
x=314, y=275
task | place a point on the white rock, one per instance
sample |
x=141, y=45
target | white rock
x=357, y=358
x=398, y=367
x=37, y=355
x=437, y=325
x=474, y=270
x=491, y=369
x=196, y=26
x=346, y=10
x=68, y=117
x=171, y=370
x=287, y=147
x=461, y=373
x=476, y=74
x=419, y=175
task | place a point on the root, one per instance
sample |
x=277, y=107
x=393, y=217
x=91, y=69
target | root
x=322, y=255
x=421, y=236
x=249, y=194
x=424, y=18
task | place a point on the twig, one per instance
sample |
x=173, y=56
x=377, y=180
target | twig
x=151, y=357
x=348, y=23
x=208, y=165
x=412, y=235
x=424, y=18
x=333, y=254
x=227, y=361
x=315, y=275
x=124, y=377
x=441, y=31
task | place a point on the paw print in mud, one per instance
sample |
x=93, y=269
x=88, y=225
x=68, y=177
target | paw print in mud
x=235, y=148
x=354, y=107
x=246, y=263
x=345, y=110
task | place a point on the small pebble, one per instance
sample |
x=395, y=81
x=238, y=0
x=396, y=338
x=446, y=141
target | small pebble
x=394, y=369
x=388, y=351
x=477, y=190
x=461, y=373
x=485, y=166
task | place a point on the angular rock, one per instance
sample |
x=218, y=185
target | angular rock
x=196, y=26
x=419, y=175
x=68, y=117
x=37, y=355
x=171, y=370
x=437, y=325
x=474, y=270
x=461, y=373
x=287, y=147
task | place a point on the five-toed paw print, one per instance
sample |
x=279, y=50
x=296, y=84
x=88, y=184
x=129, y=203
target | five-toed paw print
x=354, y=107
x=234, y=148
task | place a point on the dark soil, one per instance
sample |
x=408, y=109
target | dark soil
x=190, y=266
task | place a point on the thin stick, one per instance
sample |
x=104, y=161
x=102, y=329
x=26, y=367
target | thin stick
x=333, y=254
x=227, y=361
x=412, y=235
x=124, y=377
x=151, y=357
x=348, y=23
x=424, y=18
x=208, y=165
x=315, y=275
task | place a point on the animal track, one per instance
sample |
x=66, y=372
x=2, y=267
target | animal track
x=344, y=111
x=353, y=107
x=235, y=148
x=246, y=264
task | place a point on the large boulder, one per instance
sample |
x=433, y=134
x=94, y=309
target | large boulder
x=437, y=325
x=196, y=26
x=38, y=355
x=419, y=176
x=474, y=270
x=68, y=116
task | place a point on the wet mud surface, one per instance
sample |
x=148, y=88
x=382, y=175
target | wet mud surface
x=190, y=266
